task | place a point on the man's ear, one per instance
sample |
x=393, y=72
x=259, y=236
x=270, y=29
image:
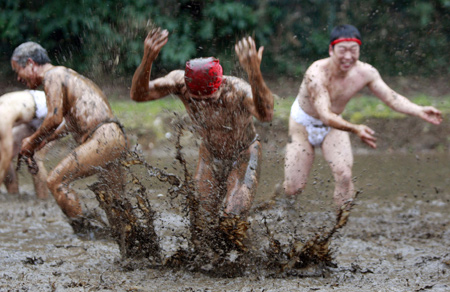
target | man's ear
x=330, y=50
x=31, y=61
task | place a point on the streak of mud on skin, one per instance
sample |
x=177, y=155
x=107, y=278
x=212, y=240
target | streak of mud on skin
x=392, y=242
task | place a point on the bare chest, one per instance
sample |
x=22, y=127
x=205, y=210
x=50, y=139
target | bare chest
x=342, y=90
x=216, y=116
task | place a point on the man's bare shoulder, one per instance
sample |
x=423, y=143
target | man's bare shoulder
x=317, y=73
x=366, y=70
x=177, y=75
x=174, y=79
x=318, y=68
x=233, y=81
x=318, y=65
x=59, y=70
x=56, y=73
x=237, y=86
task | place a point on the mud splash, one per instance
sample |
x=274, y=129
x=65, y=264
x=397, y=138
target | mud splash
x=396, y=238
x=216, y=246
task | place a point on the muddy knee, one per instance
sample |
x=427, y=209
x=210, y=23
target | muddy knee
x=66, y=199
x=53, y=182
x=343, y=178
x=293, y=189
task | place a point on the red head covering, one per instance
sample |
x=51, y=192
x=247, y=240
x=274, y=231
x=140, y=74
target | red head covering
x=346, y=40
x=203, y=76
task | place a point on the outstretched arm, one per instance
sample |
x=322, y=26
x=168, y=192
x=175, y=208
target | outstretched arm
x=142, y=89
x=261, y=103
x=400, y=103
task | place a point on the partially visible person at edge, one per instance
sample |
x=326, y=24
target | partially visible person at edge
x=221, y=109
x=21, y=114
x=76, y=106
x=315, y=119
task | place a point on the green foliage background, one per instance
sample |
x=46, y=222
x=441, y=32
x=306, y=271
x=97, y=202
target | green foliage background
x=105, y=37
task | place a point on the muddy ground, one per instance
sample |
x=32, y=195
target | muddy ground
x=397, y=237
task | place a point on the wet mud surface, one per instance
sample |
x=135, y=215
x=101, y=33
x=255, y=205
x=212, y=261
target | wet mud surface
x=396, y=239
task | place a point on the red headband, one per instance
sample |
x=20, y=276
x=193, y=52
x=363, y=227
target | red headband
x=203, y=76
x=346, y=40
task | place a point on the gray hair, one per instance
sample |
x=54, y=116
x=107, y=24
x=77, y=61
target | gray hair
x=31, y=50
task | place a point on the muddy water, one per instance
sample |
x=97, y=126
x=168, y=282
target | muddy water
x=397, y=237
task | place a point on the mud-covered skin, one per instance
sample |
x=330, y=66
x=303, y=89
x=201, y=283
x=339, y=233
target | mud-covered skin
x=78, y=107
x=328, y=85
x=17, y=112
x=76, y=99
x=229, y=156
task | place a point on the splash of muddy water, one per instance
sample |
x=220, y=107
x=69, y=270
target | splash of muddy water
x=215, y=246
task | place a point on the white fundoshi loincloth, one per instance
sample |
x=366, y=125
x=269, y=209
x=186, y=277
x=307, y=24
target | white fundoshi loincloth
x=315, y=127
x=41, y=103
x=41, y=107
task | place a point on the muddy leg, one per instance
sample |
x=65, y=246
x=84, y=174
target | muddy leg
x=105, y=145
x=11, y=180
x=242, y=184
x=243, y=181
x=338, y=152
x=18, y=133
x=204, y=214
x=40, y=178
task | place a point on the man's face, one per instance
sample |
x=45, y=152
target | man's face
x=26, y=74
x=345, y=54
x=212, y=96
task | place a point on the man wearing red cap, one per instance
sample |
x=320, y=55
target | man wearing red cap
x=221, y=109
x=315, y=118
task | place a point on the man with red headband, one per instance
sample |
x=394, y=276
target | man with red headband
x=315, y=118
x=221, y=109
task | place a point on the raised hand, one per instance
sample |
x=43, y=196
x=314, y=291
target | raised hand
x=154, y=42
x=249, y=58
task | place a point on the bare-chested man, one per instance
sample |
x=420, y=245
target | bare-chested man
x=315, y=118
x=221, y=109
x=75, y=106
x=21, y=114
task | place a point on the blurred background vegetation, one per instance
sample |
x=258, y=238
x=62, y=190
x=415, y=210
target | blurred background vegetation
x=105, y=37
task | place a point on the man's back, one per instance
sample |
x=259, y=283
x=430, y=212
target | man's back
x=83, y=103
x=16, y=108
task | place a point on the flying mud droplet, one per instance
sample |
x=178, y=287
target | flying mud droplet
x=215, y=245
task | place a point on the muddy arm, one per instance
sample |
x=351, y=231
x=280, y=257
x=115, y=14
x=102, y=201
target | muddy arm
x=60, y=132
x=400, y=103
x=260, y=104
x=55, y=116
x=144, y=89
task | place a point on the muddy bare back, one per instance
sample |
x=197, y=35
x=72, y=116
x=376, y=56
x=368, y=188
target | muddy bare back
x=84, y=104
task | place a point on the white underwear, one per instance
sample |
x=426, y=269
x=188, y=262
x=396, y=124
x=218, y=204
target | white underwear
x=315, y=127
x=41, y=103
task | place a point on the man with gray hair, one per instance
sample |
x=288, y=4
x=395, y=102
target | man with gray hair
x=79, y=102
